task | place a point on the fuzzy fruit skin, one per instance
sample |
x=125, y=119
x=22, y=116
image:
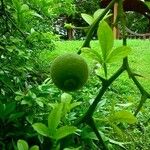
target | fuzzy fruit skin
x=69, y=72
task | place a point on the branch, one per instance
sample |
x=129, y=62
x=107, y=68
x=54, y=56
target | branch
x=137, y=83
x=102, y=79
x=101, y=143
x=144, y=94
x=94, y=25
x=102, y=91
x=142, y=101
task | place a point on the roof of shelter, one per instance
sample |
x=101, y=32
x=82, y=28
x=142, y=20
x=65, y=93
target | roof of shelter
x=131, y=5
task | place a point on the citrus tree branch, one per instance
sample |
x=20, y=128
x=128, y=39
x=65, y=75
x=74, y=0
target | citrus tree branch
x=144, y=94
x=142, y=101
x=102, y=91
x=101, y=143
x=94, y=25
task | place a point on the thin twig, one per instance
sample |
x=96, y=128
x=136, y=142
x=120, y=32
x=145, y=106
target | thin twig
x=142, y=101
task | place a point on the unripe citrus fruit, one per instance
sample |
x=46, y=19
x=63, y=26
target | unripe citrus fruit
x=69, y=72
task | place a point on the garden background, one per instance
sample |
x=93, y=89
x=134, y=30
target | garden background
x=111, y=111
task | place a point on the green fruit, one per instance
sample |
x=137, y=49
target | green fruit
x=69, y=72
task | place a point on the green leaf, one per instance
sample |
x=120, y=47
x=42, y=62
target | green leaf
x=24, y=8
x=89, y=19
x=41, y=129
x=37, y=15
x=93, y=54
x=35, y=147
x=125, y=105
x=64, y=131
x=17, y=5
x=121, y=144
x=1, y=47
x=14, y=145
x=97, y=13
x=22, y=145
x=15, y=116
x=7, y=109
x=105, y=37
x=71, y=148
x=124, y=117
x=39, y=101
x=66, y=101
x=117, y=130
x=66, y=97
x=75, y=104
x=68, y=26
x=29, y=119
x=10, y=107
x=118, y=54
x=54, y=118
x=2, y=110
x=89, y=135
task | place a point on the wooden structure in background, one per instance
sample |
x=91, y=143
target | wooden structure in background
x=134, y=35
x=115, y=31
x=128, y=5
x=131, y=5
